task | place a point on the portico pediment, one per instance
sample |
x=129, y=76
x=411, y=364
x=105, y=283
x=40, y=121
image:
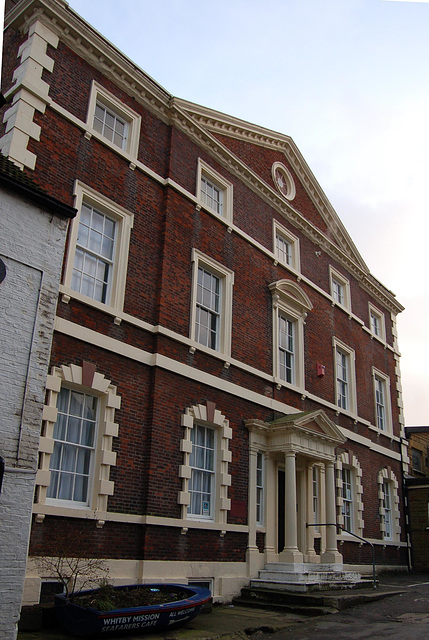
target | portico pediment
x=313, y=421
x=309, y=433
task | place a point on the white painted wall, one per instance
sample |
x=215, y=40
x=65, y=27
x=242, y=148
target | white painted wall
x=32, y=248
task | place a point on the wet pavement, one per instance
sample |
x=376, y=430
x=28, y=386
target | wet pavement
x=403, y=616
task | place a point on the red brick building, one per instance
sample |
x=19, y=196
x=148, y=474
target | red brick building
x=225, y=368
x=417, y=495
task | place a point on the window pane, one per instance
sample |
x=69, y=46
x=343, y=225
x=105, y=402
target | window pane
x=87, y=435
x=83, y=235
x=68, y=458
x=83, y=460
x=56, y=456
x=60, y=427
x=65, y=487
x=53, y=485
x=95, y=240
x=80, y=488
x=73, y=430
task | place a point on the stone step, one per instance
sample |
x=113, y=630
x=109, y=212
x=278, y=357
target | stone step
x=310, y=576
x=299, y=587
x=311, y=604
x=262, y=594
x=285, y=608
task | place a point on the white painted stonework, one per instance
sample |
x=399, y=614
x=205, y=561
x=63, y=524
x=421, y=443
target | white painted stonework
x=29, y=93
x=292, y=447
x=32, y=249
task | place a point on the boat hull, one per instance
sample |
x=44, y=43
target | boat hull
x=88, y=622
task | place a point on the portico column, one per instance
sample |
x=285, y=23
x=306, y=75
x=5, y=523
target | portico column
x=322, y=510
x=270, y=510
x=310, y=554
x=331, y=554
x=252, y=499
x=252, y=552
x=290, y=552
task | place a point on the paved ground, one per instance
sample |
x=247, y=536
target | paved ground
x=399, y=617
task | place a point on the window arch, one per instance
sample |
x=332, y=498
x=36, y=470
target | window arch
x=388, y=504
x=350, y=492
x=206, y=456
x=77, y=436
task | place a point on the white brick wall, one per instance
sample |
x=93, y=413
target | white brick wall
x=32, y=247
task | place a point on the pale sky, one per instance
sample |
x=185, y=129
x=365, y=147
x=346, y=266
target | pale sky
x=348, y=80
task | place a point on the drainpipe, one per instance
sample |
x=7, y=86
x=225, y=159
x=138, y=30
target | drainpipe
x=406, y=508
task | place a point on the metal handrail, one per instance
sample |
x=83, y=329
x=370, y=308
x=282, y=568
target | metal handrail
x=324, y=524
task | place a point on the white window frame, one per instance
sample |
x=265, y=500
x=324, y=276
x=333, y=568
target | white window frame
x=347, y=496
x=376, y=316
x=206, y=471
x=124, y=223
x=67, y=443
x=280, y=232
x=337, y=280
x=76, y=378
x=226, y=277
x=347, y=460
x=291, y=302
x=380, y=378
x=287, y=354
x=224, y=186
x=207, y=416
x=351, y=401
x=110, y=102
x=260, y=488
x=387, y=476
x=388, y=511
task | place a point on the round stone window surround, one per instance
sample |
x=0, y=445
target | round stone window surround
x=283, y=180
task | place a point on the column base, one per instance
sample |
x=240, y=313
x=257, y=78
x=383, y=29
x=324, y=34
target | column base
x=270, y=554
x=291, y=555
x=253, y=560
x=331, y=557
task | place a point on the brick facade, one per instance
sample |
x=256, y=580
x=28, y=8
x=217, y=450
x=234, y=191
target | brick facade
x=166, y=381
x=417, y=495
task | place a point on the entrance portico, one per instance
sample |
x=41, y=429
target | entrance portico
x=298, y=451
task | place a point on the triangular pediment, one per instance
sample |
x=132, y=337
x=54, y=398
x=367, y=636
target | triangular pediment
x=238, y=136
x=316, y=422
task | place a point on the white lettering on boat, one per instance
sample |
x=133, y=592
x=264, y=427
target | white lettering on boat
x=130, y=622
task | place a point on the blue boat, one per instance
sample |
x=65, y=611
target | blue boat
x=88, y=622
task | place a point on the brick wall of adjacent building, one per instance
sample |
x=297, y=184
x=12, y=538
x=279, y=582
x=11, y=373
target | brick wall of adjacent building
x=418, y=502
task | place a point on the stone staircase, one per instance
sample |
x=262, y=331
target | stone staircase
x=305, y=577
x=307, y=589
